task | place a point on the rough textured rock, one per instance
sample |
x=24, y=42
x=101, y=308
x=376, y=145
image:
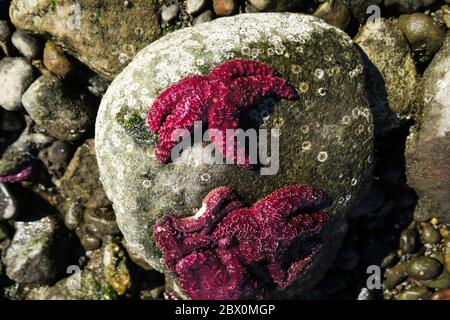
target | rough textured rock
x=64, y=115
x=81, y=179
x=105, y=35
x=105, y=277
x=16, y=74
x=428, y=145
x=390, y=72
x=328, y=148
x=38, y=251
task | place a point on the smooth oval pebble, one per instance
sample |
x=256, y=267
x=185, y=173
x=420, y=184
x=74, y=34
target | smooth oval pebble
x=423, y=268
x=430, y=235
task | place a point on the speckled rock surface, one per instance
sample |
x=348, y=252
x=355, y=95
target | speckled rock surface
x=38, y=251
x=428, y=145
x=390, y=72
x=66, y=116
x=105, y=277
x=105, y=35
x=325, y=137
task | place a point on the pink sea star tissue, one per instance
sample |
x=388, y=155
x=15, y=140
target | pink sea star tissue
x=230, y=251
x=219, y=100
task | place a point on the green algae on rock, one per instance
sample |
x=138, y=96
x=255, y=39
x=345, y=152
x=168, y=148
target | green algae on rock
x=105, y=35
x=326, y=136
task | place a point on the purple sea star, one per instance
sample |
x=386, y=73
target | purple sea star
x=218, y=99
x=22, y=175
x=229, y=251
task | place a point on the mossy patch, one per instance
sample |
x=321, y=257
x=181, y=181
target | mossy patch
x=135, y=126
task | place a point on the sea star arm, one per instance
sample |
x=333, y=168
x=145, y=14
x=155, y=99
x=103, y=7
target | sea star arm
x=166, y=102
x=226, y=111
x=237, y=68
x=189, y=109
x=216, y=204
x=211, y=275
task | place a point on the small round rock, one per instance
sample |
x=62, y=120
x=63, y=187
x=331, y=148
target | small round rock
x=56, y=61
x=169, y=13
x=225, y=7
x=423, y=268
x=422, y=32
x=16, y=75
x=26, y=44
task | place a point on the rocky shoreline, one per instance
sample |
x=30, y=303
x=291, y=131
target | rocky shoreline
x=80, y=190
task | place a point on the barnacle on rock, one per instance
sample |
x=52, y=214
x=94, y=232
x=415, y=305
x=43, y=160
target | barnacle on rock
x=229, y=251
x=219, y=99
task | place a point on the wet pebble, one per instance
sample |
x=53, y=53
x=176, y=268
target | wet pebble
x=8, y=204
x=423, y=268
x=169, y=13
x=16, y=75
x=101, y=222
x=73, y=216
x=335, y=13
x=415, y=293
x=194, y=6
x=430, y=235
x=422, y=32
x=440, y=282
x=26, y=44
x=225, y=7
x=88, y=241
x=395, y=275
x=56, y=61
x=38, y=252
x=408, y=240
x=97, y=85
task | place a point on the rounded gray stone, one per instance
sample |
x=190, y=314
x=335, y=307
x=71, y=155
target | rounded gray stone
x=326, y=136
x=63, y=116
x=16, y=74
x=26, y=44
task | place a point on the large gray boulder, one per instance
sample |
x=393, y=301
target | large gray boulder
x=326, y=136
x=105, y=35
x=428, y=145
